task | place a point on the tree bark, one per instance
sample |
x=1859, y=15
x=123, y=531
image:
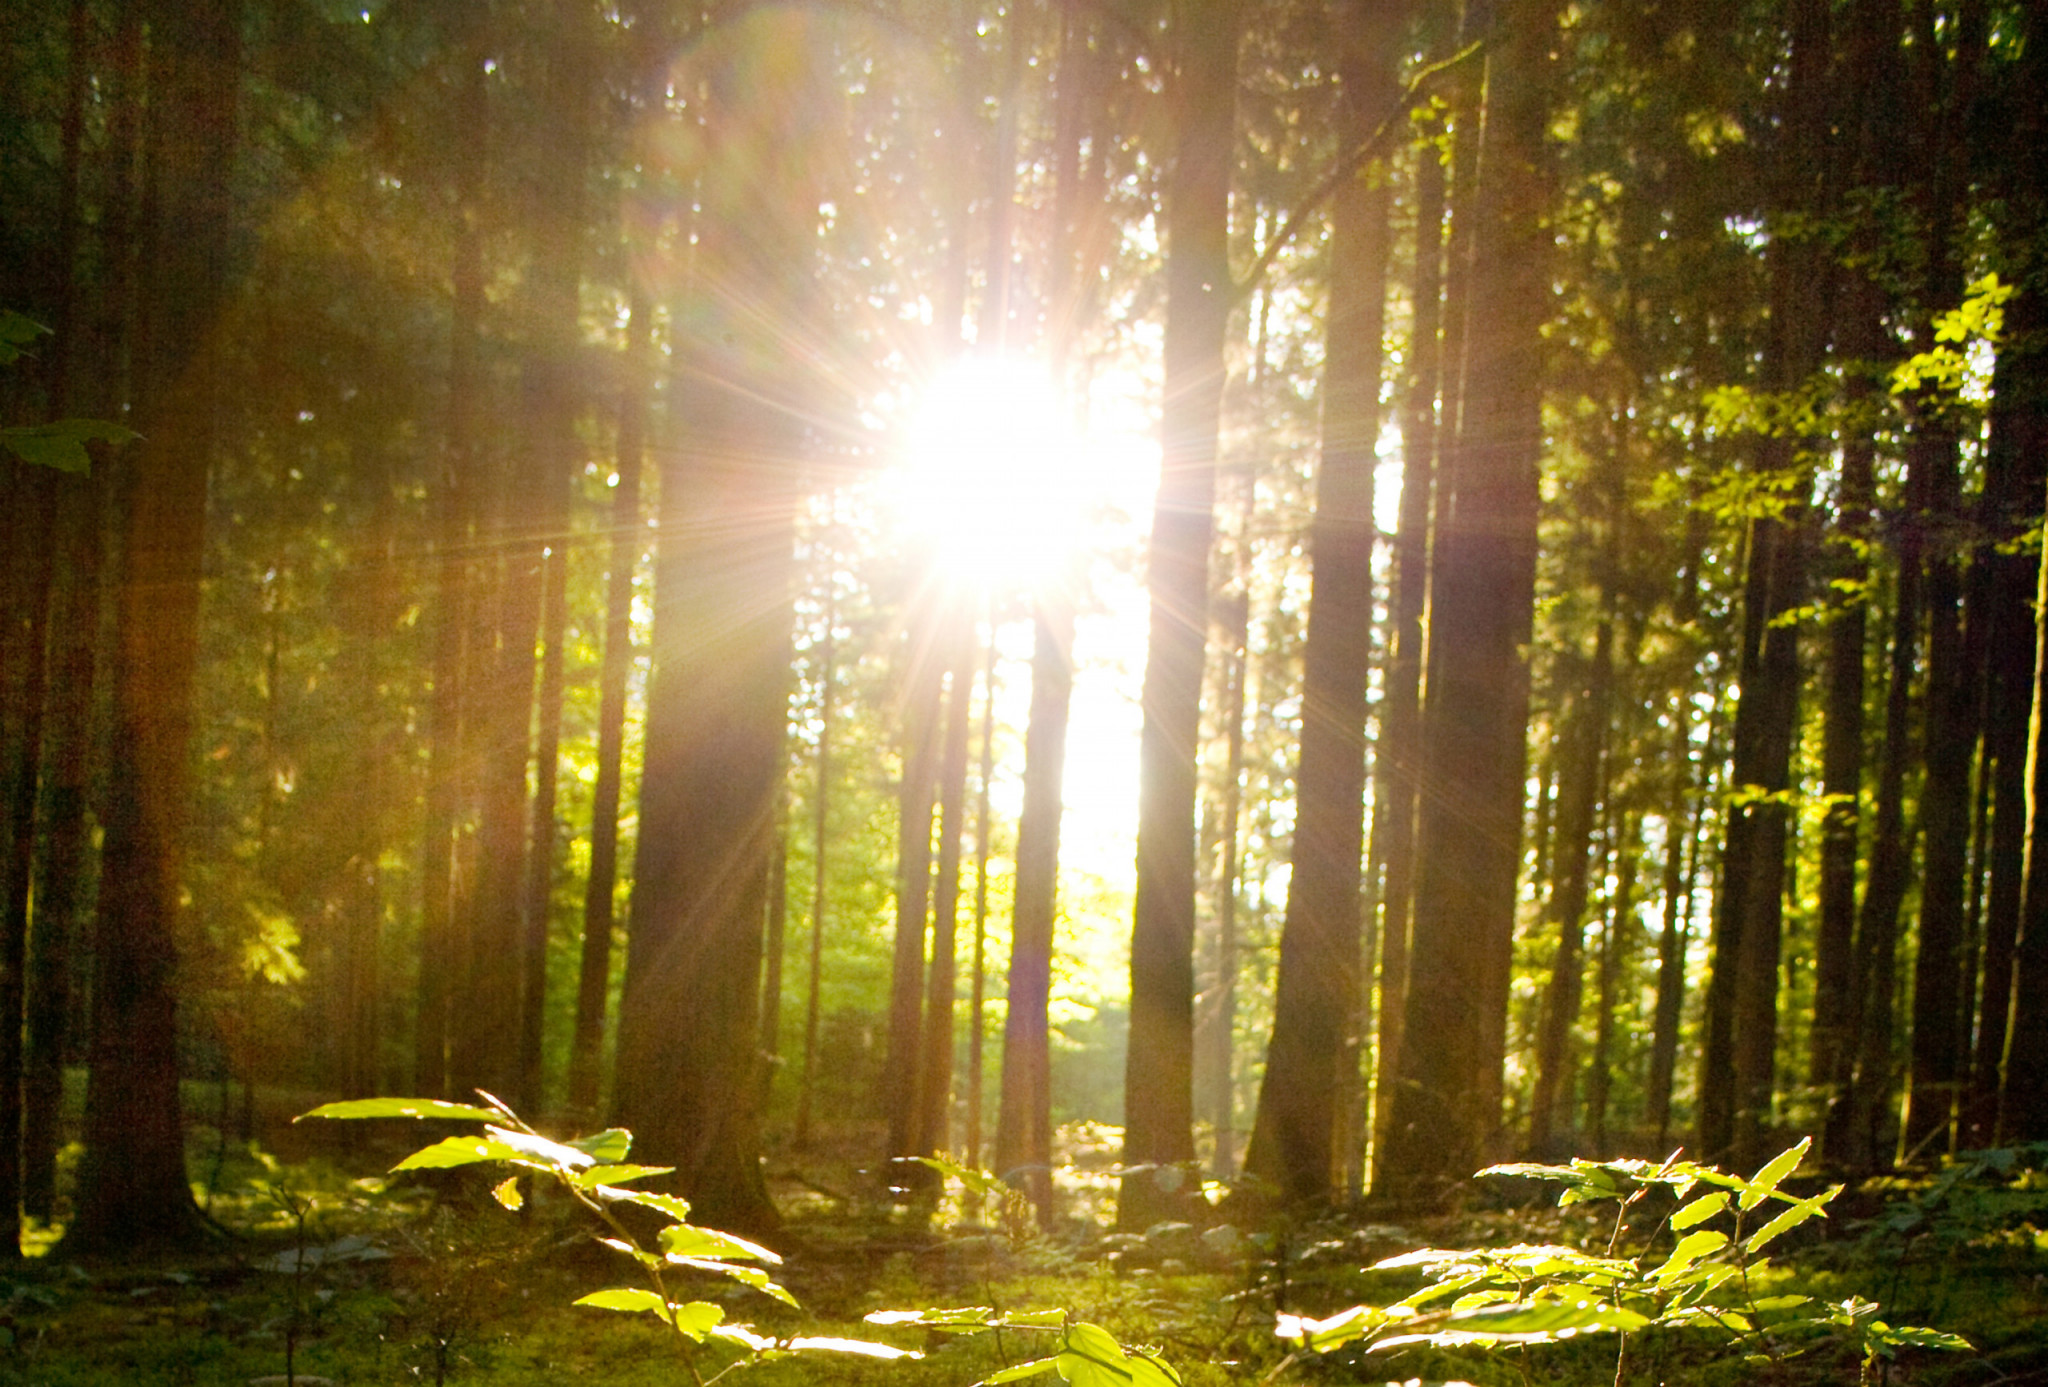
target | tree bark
x=1159, y=1063
x=935, y=1079
x=1296, y=1143
x=1447, y=1107
x=132, y=1190
x=1023, y=1153
x=593, y=982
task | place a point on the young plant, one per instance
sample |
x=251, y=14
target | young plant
x=1706, y=1281
x=592, y=1171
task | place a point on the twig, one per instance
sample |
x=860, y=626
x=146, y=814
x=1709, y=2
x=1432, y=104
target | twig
x=1344, y=169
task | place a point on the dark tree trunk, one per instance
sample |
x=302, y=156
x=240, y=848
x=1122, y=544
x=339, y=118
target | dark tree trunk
x=935, y=1079
x=2015, y=473
x=1447, y=1105
x=455, y=498
x=983, y=820
x=593, y=982
x=132, y=1189
x=1738, y=1070
x=1579, y=802
x=916, y=797
x=1159, y=1064
x=1398, y=757
x=1938, y=1045
x=718, y=707
x=1297, y=1134
x=1023, y=1153
x=2020, y=422
x=821, y=821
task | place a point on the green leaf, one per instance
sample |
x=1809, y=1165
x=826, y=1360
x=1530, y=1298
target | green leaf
x=552, y=1153
x=16, y=332
x=506, y=1192
x=675, y=1208
x=1690, y=1249
x=746, y=1276
x=1914, y=1336
x=1777, y=1168
x=1092, y=1358
x=616, y=1174
x=608, y=1147
x=1545, y=1317
x=1148, y=1371
x=62, y=445
x=695, y=1318
x=1017, y=1372
x=965, y=1317
x=864, y=1347
x=402, y=1107
x=456, y=1151
x=1791, y=1218
x=680, y=1240
x=624, y=1298
x=1700, y=1210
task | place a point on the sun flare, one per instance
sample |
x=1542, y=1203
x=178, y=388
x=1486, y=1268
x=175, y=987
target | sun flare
x=995, y=481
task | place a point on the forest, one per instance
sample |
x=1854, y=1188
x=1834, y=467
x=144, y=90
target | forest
x=1342, y=592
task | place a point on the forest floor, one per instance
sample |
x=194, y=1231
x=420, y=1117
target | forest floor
x=414, y=1285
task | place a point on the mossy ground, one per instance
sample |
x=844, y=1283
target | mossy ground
x=437, y=1284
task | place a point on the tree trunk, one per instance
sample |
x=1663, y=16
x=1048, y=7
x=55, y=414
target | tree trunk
x=1579, y=802
x=935, y=1080
x=1159, y=1064
x=455, y=499
x=1024, y=1116
x=916, y=795
x=1397, y=759
x=821, y=818
x=132, y=1189
x=1447, y=1106
x=718, y=706
x=1738, y=1070
x=1296, y=1143
x=593, y=982
x=983, y=820
x=1938, y=1045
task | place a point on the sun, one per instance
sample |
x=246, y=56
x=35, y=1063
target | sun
x=994, y=483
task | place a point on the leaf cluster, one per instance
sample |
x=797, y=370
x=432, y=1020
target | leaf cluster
x=1703, y=1279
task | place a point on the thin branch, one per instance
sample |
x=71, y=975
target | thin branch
x=1345, y=168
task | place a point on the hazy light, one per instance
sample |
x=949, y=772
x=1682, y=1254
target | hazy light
x=995, y=482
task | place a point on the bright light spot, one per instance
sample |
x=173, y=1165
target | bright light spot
x=995, y=482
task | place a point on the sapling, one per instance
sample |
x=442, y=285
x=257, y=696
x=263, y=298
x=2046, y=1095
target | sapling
x=1708, y=1281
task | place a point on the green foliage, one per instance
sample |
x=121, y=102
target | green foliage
x=1709, y=1280
x=1947, y=367
x=585, y=1169
x=60, y=445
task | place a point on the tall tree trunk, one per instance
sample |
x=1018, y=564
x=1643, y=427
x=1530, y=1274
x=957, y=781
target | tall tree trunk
x=718, y=707
x=1938, y=1044
x=2015, y=473
x=1397, y=759
x=1447, y=1105
x=132, y=1189
x=1023, y=1152
x=594, y=976
x=821, y=819
x=455, y=498
x=935, y=1079
x=983, y=822
x=917, y=794
x=1738, y=1070
x=1296, y=1143
x=1684, y=818
x=1159, y=1063
x=1579, y=802
x=2020, y=422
